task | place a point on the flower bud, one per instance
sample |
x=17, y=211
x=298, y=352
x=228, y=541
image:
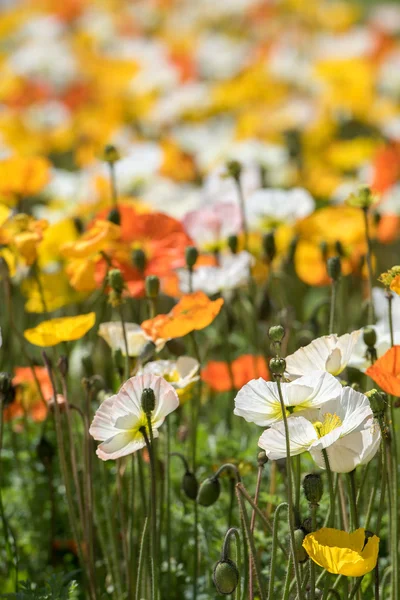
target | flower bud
x=269, y=246
x=313, y=488
x=262, y=458
x=339, y=248
x=116, y=281
x=191, y=256
x=226, y=576
x=148, y=401
x=363, y=198
x=7, y=390
x=377, y=400
x=190, y=485
x=324, y=250
x=152, y=286
x=139, y=259
x=298, y=543
x=276, y=333
x=209, y=491
x=277, y=365
x=45, y=451
x=234, y=169
x=334, y=268
x=114, y=216
x=233, y=243
x=369, y=336
x=111, y=154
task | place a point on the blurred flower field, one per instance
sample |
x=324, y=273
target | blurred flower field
x=199, y=300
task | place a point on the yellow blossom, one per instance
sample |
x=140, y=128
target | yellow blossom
x=63, y=329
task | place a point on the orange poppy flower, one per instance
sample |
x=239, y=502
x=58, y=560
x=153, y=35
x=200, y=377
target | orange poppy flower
x=193, y=312
x=244, y=368
x=388, y=228
x=386, y=168
x=27, y=398
x=386, y=371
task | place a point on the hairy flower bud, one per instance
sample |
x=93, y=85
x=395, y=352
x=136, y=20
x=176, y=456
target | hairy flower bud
x=209, y=491
x=378, y=401
x=269, y=246
x=226, y=576
x=111, y=154
x=148, y=401
x=277, y=366
x=190, y=485
x=233, y=243
x=334, y=268
x=298, y=541
x=234, y=169
x=313, y=488
x=262, y=458
x=191, y=256
x=116, y=281
x=369, y=336
x=114, y=216
x=152, y=286
x=276, y=333
x=139, y=259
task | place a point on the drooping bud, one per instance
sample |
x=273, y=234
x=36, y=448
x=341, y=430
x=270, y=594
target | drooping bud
x=277, y=366
x=233, y=243
x=226, y=576
x=269, y=246
x=209, y=491
x=7, y=390
x=114, y=216
x=313, y=488
x=334, y=268
x=190, y=485
x=111, y=154
x=139, y=259
x=234, y=169
x=191, y=256
x=299, y=536
x=369, y=336
x=116, y=281
x=148, y=400
x=262, y=458
x=152, y=286
x=276, y=333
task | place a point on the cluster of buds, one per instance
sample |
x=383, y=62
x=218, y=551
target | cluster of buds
x=391, y=279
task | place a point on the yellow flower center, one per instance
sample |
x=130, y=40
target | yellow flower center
x=172, y=376
x=330, y=422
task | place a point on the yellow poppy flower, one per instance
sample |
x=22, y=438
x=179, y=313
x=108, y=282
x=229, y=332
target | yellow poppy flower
x=23, y=176
x=92, y=241
x=351, y=554
x=55, y=290
x=64, y=329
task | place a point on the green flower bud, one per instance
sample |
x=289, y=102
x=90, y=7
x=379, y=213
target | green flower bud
x=262, y=458
x=298, y=543
x=324, y=250
x=334, y=267
x=226, y=576
x=152, y=286
x=114, y=216
x=233, y=243
x=209, y=491
x=190, y=485
x=369, y=336
x=111, y=154
x=45, y=451
x=139, y=259
x=234, y=169
x=191, y=256
x=313, y=488
x=116, y=281
x=378, y=401
x=276, y=333
x=269, y=246
x=7, y=390
x=339, y=248
x=148, y=400
x=277, y=365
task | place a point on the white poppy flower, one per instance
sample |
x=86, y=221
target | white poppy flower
x=231, y=273
x=137, y=339
x=119, y=419
x=273, y=206
x=182, y=373
x=344, y=427
x=258, y=401
x=329, y=353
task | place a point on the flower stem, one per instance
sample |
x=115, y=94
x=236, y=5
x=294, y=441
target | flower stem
x=333, y=307
x=313, y=515
x=290, y=496
x=353, y=500
x=142, y=553
x=331, y=520
x=371, y=312
x=153, y=504
x=127, y=366
x=278, y=509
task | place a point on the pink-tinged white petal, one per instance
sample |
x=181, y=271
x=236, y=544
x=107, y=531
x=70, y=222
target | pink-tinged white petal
x=301, y=435
x=121, y=445
x=258, y=402
x=102, y=426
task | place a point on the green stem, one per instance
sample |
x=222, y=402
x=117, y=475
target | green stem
x=395, y=507
x=142, y=555
x=252, y=523
x=286, y=589
x=278, y=509
x=127, y=365
x=153, y=504
x=313, y=515
x=331, y=520
x=371, y=312
x=353, y=500
x=333, y=306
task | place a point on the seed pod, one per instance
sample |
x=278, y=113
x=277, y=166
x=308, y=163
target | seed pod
x=277, y=365
x=209, y=491
x=114, y=216
x=226, y=576
x=276, y=333
x=313, y=487
x=190, y=485
x=148, y=401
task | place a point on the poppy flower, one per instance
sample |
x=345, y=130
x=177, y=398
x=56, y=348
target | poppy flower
x=386, y=371
x=352, y=554
x=193, y=312
x=182, y=374
x=63, y=329
x=137, y=339
x=244, y=368
x=23, y=176
x=119, y=419
x=27, y=397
